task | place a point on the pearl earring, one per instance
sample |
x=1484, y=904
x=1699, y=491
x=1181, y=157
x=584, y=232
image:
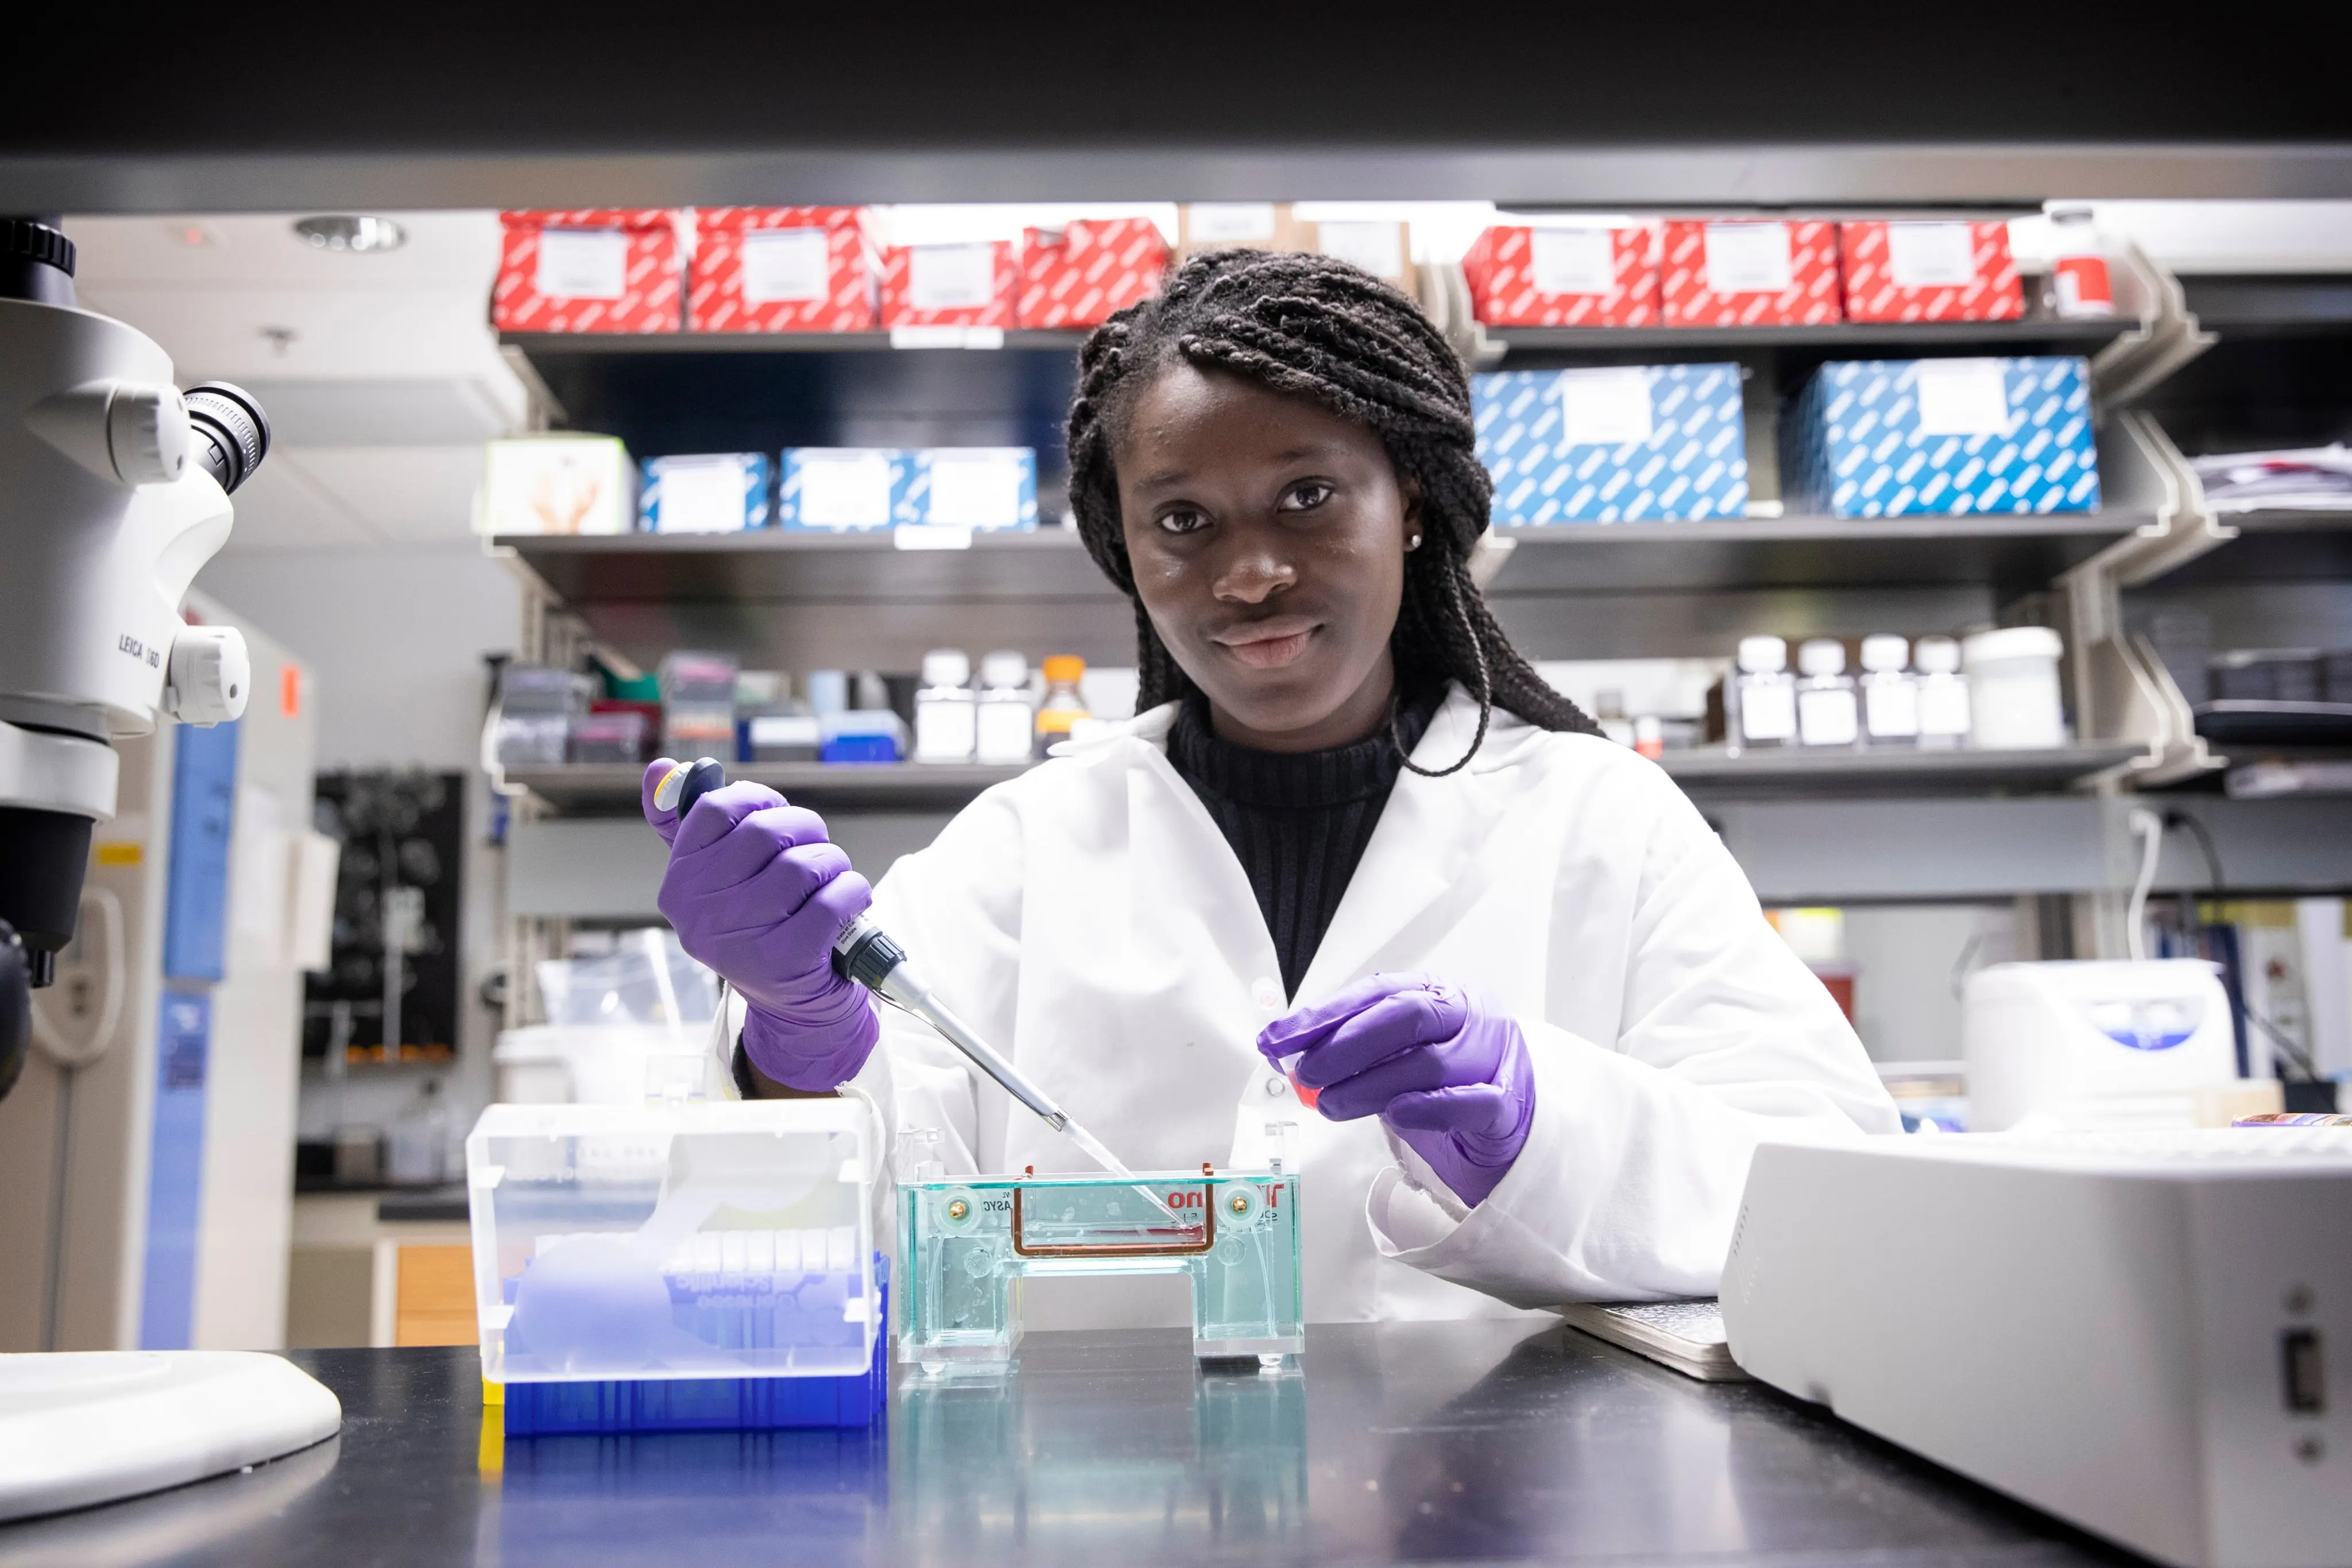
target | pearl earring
x=1413, y=543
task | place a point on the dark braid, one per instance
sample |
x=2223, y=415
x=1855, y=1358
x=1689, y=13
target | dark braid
x=1310, y=326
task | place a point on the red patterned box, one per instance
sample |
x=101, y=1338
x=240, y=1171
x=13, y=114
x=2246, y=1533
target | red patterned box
x=1076, y=276
x=1929, y=272
x=592, y=269
x=781, y=269
x=1750, y=272
x=1564, y=276
x=971, y=285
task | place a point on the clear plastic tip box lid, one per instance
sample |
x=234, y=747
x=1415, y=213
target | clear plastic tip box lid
x=699, y=1239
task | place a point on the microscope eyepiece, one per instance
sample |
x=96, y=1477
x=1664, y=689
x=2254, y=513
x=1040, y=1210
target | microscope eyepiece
x=37, y=261
x=232, y=432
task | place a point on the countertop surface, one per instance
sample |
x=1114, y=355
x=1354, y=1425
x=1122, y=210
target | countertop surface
x=1401, y=1442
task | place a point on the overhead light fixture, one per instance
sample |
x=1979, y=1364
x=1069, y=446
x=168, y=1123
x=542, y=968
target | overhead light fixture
x=350, y=232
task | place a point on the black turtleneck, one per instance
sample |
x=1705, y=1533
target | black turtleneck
x=1297, y=821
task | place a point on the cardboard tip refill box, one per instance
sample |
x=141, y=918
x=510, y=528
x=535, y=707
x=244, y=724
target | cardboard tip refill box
x=1748, y=272
x=1558, y=275
x=590, y=269
x=1939, y=271
x=782, y=269
x=1629, y=443
x=1890, y=438
x=558, y=483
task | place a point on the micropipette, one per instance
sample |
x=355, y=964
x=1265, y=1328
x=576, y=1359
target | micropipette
x=865, y=953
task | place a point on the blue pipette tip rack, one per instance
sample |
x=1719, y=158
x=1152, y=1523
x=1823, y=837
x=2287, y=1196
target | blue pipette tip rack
x=708, y=1403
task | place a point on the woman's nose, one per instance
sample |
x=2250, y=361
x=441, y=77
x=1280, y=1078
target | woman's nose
x=1253, y=574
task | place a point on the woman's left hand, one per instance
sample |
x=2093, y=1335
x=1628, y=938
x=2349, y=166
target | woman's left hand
x=1446, y=1074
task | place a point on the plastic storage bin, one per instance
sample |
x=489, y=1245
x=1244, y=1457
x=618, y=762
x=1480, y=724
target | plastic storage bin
x=707, y=1242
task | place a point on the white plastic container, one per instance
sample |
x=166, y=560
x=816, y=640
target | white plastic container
x=723, y=1240
x=1764, y=711
x=1944, y=717
x=1890, y=692
x=1005, y=722
x=2014, y=693
x=946, y=717
x=1827, y=714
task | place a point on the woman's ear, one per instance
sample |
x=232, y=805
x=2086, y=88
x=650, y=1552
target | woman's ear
x=1412, y=514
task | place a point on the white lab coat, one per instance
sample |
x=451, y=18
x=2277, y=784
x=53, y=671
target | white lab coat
x=1089, y=920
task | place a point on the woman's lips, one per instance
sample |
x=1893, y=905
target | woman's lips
x=1267, y=644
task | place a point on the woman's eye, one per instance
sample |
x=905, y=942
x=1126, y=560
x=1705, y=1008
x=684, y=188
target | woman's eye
x=1305, y=497
x=1183, y=521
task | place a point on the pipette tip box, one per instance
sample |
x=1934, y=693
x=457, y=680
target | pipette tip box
x=708, y=1404
x=687, y=1265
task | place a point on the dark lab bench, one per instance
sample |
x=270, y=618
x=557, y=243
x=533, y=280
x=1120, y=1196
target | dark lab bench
x=1402, y=1442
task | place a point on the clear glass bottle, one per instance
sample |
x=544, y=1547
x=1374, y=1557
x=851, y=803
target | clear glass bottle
x=1007, y=724
x=1609, y=713
x=947, y=718
x=1827, y=712
x=1890, y=692
x=1063, y=705
x=1944, y=722
x=1761, y=696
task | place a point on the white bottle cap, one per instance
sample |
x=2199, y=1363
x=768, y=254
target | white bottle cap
x=1884, y=651
x=1763, y=655
x=2011, y=642
x=1005, y=667
x=1937, y=655
x=947, y=667
x=1822, y=656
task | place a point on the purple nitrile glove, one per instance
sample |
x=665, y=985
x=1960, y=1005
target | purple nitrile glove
x=1445, y=1073
x=757, y=893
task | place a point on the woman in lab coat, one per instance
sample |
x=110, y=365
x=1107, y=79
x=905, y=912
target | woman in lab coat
x=1545, y=1019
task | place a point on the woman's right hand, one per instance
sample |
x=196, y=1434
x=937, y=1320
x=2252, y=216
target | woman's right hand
x=757, y=892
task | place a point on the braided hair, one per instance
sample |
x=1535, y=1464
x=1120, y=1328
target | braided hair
x=1310, y=326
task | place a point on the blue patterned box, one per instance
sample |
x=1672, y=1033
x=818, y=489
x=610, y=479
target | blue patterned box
x=722, y=493
x=1893, y=438
x=840, y=489
x=1635, y=443
x=979, y=487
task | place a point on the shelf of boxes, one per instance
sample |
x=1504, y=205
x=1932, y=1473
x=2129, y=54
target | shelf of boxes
x=786, y=566
x=601, y=789
x=597, y=788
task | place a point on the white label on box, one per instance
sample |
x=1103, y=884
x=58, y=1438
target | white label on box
x=583, y=263
x=951, y=277
x=1605, y=408
x=1572, y=261
x=700, y=498
x=1931, y=256
x=786, y=266
x=1747, y=258
x=1230, y=223
x=1962, y=397
x=845, y=489
x=1378, y=248
x=979, y=489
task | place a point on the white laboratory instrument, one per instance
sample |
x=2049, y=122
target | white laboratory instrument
x=2144, y=1332
x=114, y=491
x=2117, y=1044
x=88, y=1427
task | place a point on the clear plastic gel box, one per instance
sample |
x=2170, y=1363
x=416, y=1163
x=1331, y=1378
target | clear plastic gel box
x=703, y=1239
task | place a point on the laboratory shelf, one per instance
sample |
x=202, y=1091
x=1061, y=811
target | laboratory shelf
x=538, y=346
x=1805, y=552
x=1821, y=772
x=2295, y=546
x=778, y=566
x=2078, y=336
x=601, y=789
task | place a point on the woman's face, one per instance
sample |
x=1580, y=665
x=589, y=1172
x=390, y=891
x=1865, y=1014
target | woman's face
x=1268, y=539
